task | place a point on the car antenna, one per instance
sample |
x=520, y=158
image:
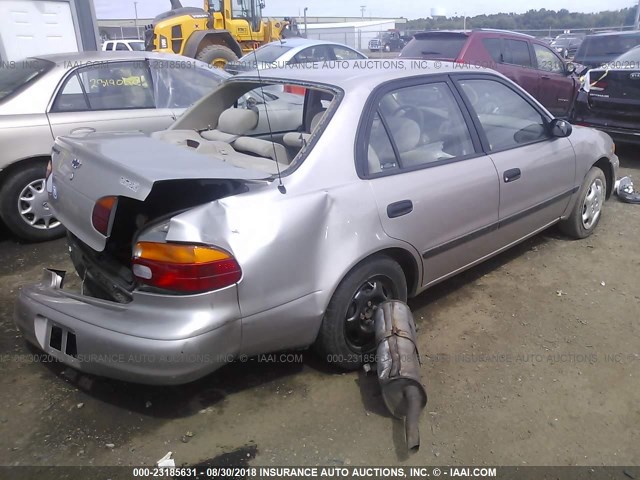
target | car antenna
x=281, y=187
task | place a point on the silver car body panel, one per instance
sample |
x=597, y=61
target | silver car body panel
x=294, y=248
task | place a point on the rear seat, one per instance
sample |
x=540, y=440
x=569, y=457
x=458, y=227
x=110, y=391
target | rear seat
x=228, y=140
x=299, y=139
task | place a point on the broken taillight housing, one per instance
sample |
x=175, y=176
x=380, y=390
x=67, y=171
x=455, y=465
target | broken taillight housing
x=102, y=213
x=184, y=268
x=598, y=86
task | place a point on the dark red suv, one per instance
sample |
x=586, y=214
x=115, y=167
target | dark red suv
x=522, y=58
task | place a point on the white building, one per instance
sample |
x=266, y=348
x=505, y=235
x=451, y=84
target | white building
x=354, y=34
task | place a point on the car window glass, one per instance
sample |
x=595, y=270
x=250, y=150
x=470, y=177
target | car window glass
x=342, y=53
x=71, y=97
x=380, y=154
x=507, y=119
x=493, y=47
x=425, y=125
x=108, y=45
x=179, y=84
x=117, y=85
x=317, y=53
x=547, y=60
x=121, y=46
x=516, y=52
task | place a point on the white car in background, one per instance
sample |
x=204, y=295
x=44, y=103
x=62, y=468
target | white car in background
x=124, y=45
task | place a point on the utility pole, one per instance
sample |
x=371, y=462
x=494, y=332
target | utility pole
x=135, y=7
x=636, y=24
x=364, y=7
x=305, y=22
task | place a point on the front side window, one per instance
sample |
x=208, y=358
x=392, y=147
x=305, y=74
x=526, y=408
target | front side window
x=547, y=60
x=184, y=84
x=507, y=119
x=117, y=85
x=417, y=126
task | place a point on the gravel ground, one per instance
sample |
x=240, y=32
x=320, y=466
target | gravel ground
x=531, y=358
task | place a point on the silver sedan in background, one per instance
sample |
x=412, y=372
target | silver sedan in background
x=76, y=93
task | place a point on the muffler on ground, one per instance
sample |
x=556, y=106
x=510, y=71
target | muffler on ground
x=399, y=367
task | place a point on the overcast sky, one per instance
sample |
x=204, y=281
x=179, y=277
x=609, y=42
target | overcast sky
x=377, y=8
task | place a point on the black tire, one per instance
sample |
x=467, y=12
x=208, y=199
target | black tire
x=574, y=226
x=215, y=54
x=9, y=206
x=336, y=343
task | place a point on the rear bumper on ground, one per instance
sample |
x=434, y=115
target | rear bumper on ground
x=155, y=339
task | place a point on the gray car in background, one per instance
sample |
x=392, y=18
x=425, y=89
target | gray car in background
x=73, y=94
x=207, y=241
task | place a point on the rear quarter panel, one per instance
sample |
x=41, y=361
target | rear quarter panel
x=24, y=136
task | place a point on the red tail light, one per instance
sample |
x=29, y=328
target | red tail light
x=598, y=86
x=102, y=212
x=295, y=89
x=184, y=268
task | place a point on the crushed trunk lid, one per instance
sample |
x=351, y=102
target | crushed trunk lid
x=88, y=168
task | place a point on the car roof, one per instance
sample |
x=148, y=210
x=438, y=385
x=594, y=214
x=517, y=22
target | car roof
x=353, y=74
x=305, y=42
x=71, y=59
x=475, y=31
x=606, y=34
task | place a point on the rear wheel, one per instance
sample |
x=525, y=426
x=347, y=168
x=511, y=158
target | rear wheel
x=588, y=208
x=216, y=55
x=347, y=333
x=24, y=205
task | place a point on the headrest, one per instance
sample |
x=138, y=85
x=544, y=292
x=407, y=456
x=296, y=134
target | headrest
x=406, y=133
x=237, y=121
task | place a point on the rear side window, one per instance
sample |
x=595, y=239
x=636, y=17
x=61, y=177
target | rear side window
x=71, y=97
x=435, y=45
x=121, y=46
x=115, y=86
x=516, y=52
x=494, y=48
x=417, y=126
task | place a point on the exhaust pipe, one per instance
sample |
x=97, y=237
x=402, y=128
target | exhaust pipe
x=399, y=367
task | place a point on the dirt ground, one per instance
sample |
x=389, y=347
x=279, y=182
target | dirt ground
x=532, y=358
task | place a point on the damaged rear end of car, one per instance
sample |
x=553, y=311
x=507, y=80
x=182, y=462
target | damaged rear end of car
x=147, y=308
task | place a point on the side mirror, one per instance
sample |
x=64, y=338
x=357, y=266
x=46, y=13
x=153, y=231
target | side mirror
x=570, y=68
x=560, y=128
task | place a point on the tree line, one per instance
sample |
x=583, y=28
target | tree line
x=537, y=21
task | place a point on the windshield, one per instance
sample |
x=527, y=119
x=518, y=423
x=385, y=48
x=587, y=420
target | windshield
x=606, y=46
x=632, y=55
x=435, y=45
x=249, y=10
x=266, y=54
x=16, y=75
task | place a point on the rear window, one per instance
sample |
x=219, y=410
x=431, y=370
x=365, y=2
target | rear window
x=435, y=45
x=266, y=54
x=16, y=75
x=606, y=46
x=632, y=55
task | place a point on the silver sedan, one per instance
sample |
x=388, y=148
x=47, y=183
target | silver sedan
x=216, y=243
x=75, y=93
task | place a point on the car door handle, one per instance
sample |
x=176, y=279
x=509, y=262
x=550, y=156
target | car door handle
x=398, y=209
x=511, y=175
x=82, y=130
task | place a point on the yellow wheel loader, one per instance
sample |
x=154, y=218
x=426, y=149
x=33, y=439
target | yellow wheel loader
x=221, y=32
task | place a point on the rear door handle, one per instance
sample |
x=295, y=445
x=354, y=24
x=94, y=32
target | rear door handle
x=78, y=130
x=511, y=175
x=398, y=209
